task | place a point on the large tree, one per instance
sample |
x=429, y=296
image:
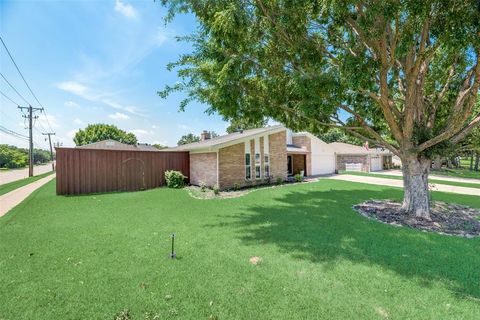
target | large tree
x=99, y=132
x=403, y=74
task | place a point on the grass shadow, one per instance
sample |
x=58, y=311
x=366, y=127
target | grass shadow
x=321, y=226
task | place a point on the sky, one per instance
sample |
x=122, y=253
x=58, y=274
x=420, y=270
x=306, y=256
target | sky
x=95, y=62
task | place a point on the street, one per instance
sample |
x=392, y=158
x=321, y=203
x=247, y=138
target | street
x=18, y=174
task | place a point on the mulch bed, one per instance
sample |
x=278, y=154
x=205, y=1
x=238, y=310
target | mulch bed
x=445, y=218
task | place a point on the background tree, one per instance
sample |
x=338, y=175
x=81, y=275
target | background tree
x=337, y=135
x=12, y=157
x=99, y=132
x=159, y=146
x=188, y=138
x=245, y=124
x=400, y=74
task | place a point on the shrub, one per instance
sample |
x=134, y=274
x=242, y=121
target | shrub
x=298, y=178
x=216, y=190
x=236, y=187
x=279, y=180
x=203, y=187
x=174, y=179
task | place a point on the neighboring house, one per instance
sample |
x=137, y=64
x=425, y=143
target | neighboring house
x=308, y=153
x=238, y=159
x=115, y=145
x=358, y=158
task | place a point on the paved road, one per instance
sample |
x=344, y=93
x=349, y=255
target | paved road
x=430, y=176
x=18, y=174
x=9, y=200
x=399, y=183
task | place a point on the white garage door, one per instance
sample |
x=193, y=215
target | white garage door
x=323, y=164
x=375, y=164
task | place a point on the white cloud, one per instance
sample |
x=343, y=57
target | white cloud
x=141, y=132
x=118, y=116
x=73, y=87
x=183, y=126
x=47, y=122
x=71, y=104
x=71, y=133
x=78, y=121
x=125, y=9
x=87, y=93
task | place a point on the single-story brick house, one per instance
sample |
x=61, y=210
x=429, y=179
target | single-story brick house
x=256, y=156
x=241, y=158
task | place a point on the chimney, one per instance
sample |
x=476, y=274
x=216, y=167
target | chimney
x=205, y=135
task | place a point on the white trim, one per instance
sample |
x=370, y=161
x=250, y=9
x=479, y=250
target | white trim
x=266, y=144
x=218, y=170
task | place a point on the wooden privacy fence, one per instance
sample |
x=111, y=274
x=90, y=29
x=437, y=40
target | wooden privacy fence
x=82, y=171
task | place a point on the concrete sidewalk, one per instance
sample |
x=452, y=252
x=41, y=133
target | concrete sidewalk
x=398, y=173
x=9, y=200
x=399, y=184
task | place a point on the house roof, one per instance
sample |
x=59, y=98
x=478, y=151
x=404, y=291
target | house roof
x=110, y=144
x=346, y=148
x=225, y=140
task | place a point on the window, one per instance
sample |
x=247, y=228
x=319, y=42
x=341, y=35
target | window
x=258, y=173
x=248, y=167
x=267, y=166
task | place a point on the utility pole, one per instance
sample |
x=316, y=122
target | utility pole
x=49, y=134
x=30, y=118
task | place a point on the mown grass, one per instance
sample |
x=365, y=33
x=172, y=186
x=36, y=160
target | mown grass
x=433, y=181
x=459, y=173
x=7, y=187
x=90, y=257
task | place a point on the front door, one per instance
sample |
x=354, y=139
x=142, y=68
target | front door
x=289, y=165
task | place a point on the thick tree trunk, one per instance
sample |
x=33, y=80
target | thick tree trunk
x=437, y=163
x=477, y=160
x=416, y=199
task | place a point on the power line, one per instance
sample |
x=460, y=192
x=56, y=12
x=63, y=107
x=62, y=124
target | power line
x=11, y=86
x=26, y=83
x=3, y=94
x=18, y=69
x=13, y=133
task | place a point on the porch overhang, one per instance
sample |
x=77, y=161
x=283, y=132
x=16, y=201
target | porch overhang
x=296, y=150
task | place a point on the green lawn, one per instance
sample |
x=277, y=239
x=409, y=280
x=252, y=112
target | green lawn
x=7, y=187
x=459, y=173
x=90, y=257
x=434, y=181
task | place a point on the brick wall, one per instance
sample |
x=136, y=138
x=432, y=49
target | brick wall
x=352, y=158
x=232, y=162
x=278, y=155
x=203, y=169
x=304, y=141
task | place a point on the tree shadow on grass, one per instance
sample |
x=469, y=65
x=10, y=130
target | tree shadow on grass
x=321, y=226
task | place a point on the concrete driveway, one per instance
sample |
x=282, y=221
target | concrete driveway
x=18, y=174
x=399, y=184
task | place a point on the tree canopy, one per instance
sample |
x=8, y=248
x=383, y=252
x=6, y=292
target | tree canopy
x=99, y=132
x=188, y=138
x=402, y=74
x=245, y=124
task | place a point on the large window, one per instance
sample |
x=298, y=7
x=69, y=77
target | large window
x=248, y=167
x=258, y=171
x=267, y=166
